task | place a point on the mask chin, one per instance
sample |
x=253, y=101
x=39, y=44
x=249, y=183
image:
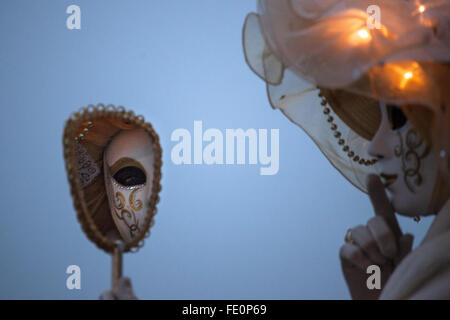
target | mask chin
x=427, y=200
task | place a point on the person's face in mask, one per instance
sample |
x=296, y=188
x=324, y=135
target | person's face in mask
x=407, y=165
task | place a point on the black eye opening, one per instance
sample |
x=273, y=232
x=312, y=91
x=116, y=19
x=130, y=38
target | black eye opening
x=130, y=176
x=396, y=116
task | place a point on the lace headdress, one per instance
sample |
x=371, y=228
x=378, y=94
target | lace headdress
x=338, y=55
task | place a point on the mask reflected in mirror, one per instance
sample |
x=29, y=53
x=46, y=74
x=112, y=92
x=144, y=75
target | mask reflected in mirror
x=128, y=170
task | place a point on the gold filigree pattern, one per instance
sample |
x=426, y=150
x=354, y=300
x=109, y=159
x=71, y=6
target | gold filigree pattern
x=411, y=159
x=120, y=201
x=128, y=216
x=136, y=204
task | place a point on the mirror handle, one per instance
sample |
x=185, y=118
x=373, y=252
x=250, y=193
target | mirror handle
x=117, y=264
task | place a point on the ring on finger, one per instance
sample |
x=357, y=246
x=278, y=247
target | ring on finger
x=348, y=237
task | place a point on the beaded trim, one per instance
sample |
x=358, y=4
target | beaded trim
x=82, y=135
x=71, y=138
x=338, y=135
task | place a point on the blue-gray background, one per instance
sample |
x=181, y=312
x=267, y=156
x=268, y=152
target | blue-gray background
x=221, y=232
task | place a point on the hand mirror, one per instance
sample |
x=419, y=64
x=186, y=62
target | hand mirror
x=113, y=163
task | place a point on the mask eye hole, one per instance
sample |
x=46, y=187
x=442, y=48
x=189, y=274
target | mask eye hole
x=396, y=116
x=130, y=176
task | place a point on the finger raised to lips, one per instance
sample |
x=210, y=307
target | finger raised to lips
x=381, y=204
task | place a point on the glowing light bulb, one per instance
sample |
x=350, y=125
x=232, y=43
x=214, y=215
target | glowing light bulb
x=408, y=75
x=359, y=37
x=364, y=34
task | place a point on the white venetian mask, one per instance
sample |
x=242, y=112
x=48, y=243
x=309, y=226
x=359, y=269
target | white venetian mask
x=128, y=170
